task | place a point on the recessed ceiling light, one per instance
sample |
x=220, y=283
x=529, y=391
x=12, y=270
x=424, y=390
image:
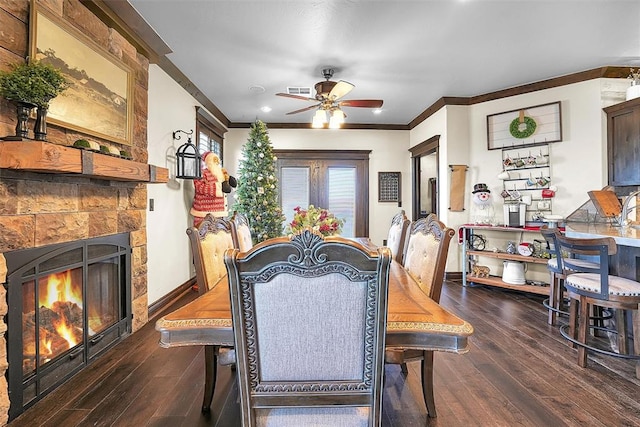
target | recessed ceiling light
x=265, y=109
x=256, y=89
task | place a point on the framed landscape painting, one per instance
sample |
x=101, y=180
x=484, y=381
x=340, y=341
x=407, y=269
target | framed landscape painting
x=99, y=101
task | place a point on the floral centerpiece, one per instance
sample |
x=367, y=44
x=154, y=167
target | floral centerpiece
x=318, y=219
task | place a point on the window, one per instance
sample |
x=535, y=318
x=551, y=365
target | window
x=209, y=136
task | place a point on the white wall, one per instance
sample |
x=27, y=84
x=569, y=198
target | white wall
x=578, y=162
x=168, y=255
x=389, y=154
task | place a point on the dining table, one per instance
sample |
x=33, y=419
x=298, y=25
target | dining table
x=414, y=320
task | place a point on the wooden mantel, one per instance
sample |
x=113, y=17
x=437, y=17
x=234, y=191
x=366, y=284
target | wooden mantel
x=45, y=157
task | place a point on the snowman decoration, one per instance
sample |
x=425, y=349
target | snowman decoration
x=482, y=210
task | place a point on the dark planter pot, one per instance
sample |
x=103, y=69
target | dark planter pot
x=40, y=128
x=22, y=111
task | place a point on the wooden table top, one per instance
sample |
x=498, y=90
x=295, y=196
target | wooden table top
x=413, y=319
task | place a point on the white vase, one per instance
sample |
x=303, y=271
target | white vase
x=633, y=91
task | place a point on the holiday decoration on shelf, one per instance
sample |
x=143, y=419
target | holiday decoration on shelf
x=257, y=193
x=210, y=190
x=317, y=219
x=482, y=209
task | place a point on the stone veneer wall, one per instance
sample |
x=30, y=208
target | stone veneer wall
x=39, y=209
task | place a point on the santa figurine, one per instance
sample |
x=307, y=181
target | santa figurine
x=210, y=190
x=482, y=210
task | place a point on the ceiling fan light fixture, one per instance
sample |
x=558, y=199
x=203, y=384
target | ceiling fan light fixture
x=337, y=119
x=319, y=119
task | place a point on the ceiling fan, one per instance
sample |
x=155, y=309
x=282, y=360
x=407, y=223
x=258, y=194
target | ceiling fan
x=327, y=97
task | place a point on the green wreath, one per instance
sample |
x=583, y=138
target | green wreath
x=514, y=128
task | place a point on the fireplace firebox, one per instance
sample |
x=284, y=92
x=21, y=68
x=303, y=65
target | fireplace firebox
x=68, y=303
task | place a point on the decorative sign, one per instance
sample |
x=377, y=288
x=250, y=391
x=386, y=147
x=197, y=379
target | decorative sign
x=525, y=127
x=389, y=186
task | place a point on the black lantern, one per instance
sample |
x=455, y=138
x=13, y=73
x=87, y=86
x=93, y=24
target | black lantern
x=188, y=158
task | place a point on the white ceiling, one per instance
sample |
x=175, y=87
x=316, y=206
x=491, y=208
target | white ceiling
x=408, y=53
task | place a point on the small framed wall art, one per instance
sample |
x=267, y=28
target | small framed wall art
x=389, y=187
x=540, y=124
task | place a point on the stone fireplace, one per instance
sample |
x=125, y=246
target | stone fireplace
x=73, y=302
x=41, y=207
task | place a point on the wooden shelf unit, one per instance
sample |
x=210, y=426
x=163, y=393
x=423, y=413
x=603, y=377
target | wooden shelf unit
x=497, y=281
x=45, y=157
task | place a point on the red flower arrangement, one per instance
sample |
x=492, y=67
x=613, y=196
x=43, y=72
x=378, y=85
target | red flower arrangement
x=318, y=219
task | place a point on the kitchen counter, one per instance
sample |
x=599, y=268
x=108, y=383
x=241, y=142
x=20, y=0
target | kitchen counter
x=626, y=262
x=627, y=236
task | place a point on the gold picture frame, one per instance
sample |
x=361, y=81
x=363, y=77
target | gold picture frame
x=99, y=101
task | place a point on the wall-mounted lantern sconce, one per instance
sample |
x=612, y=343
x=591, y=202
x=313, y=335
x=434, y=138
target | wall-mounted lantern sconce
x=187, y=158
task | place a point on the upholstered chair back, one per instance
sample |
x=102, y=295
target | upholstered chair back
x=241, y=232
x=397, y=234
x=309, y=316
x=426, y=254
x=209, y=241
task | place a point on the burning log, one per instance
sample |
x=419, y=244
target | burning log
x=60, y=328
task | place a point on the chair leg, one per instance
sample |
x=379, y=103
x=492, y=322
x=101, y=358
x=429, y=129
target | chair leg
x=404, y=369
x=427, y=383
x=621, y=328
x=583, y=330
x=553, y=298
x=573, y=320
x=636, y=341
x=210, y=372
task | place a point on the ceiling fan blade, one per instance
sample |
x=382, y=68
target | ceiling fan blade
x=340, y=89
x=304, y=109
x=366, y=103
x=304, y=98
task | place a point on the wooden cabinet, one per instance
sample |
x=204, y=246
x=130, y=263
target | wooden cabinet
x=469, y=256
x=623, y=143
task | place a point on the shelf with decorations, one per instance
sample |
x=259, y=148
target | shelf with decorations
x=526, y=178
x=485, y=242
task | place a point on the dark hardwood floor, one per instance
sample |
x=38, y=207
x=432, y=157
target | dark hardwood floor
x=519, y=372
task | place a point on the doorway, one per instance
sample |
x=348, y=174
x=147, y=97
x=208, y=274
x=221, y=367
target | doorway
x=424, y=169
x=335, y=180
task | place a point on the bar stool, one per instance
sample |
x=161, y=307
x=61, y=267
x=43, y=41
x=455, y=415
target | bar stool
x=556, y=302
x=587, y=286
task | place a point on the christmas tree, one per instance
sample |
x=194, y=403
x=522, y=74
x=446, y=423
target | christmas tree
x=257, y=191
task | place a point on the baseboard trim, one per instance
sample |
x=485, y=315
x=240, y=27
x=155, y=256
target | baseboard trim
x=456, y=275
x=165, y=301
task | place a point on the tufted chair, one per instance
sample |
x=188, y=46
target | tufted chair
x=209, y=241
x=241, y=232
x=589, y=286
x=309, y=316
x=397, y=234
x=425, y=258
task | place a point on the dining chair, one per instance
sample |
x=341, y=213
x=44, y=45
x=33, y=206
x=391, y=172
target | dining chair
x=589, y=286
x=241, y=232
x=425, y=258
x=209, y=241
x=397, y=235
x=309, y=315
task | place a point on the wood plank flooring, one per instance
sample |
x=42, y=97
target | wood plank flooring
x=520, y=371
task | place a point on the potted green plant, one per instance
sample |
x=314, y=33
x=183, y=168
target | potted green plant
x=29, y=85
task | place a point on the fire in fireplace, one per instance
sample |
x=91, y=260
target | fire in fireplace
x=67, y=304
